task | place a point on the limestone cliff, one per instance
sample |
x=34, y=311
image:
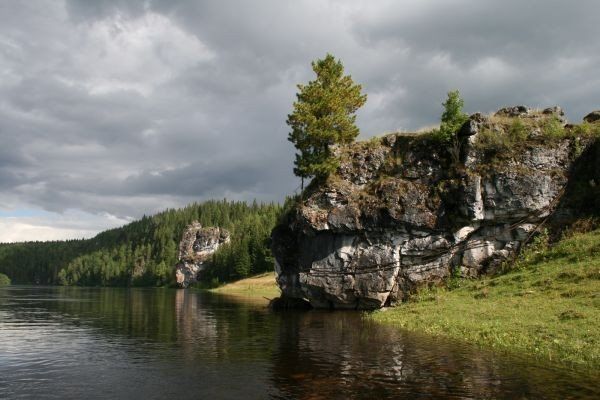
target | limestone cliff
x=404, y=211
x=195, y=249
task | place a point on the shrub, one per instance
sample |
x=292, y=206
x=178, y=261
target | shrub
x=494, y=141
x=534, y=251
x=553, y=128
x=586, y=129
x=517, y=131
x=4, y=280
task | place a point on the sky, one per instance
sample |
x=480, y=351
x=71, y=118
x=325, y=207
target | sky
x=110, y=110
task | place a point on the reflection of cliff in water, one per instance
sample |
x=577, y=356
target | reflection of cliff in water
x=197, y=329
x=325, y=355
x=224, y=328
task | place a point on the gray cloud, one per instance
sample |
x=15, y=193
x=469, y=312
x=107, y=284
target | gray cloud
x=128, y=107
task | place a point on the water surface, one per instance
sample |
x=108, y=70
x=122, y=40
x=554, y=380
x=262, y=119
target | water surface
x=92, y=343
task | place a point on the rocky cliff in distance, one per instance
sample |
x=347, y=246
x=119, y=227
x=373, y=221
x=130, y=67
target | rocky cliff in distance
x=195, y=249
x=404, y=211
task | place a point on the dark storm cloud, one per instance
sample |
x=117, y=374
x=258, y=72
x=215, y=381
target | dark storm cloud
x=199, y=178
x=97, y=9
x=128, y=107
x=537, y=53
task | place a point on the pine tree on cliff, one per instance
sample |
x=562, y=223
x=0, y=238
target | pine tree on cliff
x=323, y=116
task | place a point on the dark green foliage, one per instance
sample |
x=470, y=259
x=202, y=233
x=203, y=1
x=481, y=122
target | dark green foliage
x=40, y=262
x=144, y=252
x=243, y=263
x=248, y=253
x=323, y=116
x=4, y=280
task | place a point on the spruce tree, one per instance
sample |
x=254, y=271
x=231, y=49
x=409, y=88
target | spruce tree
x=243, y=262
x=323, y=116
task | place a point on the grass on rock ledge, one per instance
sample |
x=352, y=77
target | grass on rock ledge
x=548, y=306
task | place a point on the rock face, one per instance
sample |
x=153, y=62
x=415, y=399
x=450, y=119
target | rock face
x=514, y=111
x=402, y=212
x=592, y=117
x=195, y=249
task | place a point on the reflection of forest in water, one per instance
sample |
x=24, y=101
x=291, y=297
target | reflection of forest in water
x=197, y=325
x=296, y=354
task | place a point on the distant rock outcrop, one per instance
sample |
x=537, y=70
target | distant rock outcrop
x=195, y=249
x=404, y=211
x=594, y=116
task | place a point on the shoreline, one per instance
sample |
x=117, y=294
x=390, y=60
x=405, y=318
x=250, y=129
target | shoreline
x=548, y=307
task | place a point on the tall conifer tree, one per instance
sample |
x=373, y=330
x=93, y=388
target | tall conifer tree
x=323, y=116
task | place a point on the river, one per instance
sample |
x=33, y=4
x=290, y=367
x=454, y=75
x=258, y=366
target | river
x=116, y=343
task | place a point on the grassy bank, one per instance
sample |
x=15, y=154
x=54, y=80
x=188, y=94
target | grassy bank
x=256, y=286
x=549, y=306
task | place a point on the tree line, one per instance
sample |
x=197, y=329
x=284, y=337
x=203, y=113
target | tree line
x=144, y=252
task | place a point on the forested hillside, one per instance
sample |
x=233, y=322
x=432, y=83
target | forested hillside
x=144, y=252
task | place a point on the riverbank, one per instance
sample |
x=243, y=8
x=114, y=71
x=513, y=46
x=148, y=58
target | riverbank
x=549, y=306
x=262, y=285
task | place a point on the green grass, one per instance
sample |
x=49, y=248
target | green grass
x=548, y=307
x=260, y=286
x=505, y=137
